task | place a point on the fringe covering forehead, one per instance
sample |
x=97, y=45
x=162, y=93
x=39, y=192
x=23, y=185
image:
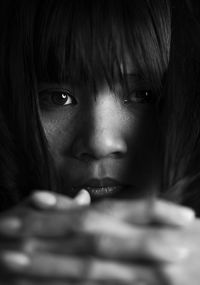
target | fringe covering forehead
x=91, y=40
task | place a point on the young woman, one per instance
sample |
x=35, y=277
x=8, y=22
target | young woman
x=99, y=100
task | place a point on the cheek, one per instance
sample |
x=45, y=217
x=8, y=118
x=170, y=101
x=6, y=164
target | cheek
x=142, y=130
x=145, y=153
x=58, y=131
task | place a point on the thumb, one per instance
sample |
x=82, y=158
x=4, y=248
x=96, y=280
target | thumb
x=46, y=200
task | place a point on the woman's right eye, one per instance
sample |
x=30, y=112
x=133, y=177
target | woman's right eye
x=53, y=98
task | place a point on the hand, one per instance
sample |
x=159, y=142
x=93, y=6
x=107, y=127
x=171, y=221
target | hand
x=187, y=271
x=179, y=272
x=52, y=244
x=43, y=200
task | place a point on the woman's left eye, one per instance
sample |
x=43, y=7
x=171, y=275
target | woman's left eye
x=56, y=98
x=141, y=96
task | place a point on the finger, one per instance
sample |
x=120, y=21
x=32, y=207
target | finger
x=17, y=280
x=147, y=211
x=61, y=224
x=105, y=238
x=27, y=281
x=49, y=200
x=135, y=243
x=161, y=246
x=83, y=198
x=53, y=266
x=33, y=281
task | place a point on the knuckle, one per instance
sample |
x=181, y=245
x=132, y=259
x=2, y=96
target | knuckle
x=103, y=245
x=27, y=220
x=87, y=220
x=158, y=235
x=174, y=274
x=32, y=222
x=86, y=268
x=102, y=205
x=110, y=207
x=95, y=244
x=146, y=246
x=28, y=245
x=150, y=241
x=80, y=218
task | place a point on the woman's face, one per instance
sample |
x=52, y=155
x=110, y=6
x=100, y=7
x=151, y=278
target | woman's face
x=99, y=141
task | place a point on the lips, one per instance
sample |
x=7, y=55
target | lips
x=102, y=188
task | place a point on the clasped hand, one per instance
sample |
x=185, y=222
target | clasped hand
x=110, y=242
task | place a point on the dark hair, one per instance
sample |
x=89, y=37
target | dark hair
x=86, y=40
x=181, y=105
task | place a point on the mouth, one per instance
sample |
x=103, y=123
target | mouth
x=102, y=188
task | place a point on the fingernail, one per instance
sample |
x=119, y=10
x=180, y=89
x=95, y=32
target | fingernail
x=8, y=225
x=188, y=215
x=45, y=198
x=83, y=197
x=15, y=260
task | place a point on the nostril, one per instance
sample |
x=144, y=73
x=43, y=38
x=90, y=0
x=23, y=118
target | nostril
x=90, y=156
x=87, y=157
x=117, y=154
x=99, y=146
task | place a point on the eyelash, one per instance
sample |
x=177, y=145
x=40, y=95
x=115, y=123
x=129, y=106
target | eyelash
x=135, y=97
x=49, y=98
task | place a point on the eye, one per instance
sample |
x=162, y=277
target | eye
x=140, y=96
x=60, y=98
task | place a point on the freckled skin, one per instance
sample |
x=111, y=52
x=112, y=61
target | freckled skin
x=100, y=136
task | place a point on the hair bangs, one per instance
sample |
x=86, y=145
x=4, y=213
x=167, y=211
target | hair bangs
x=75, y=44
x=148, y=39
x=90, y=41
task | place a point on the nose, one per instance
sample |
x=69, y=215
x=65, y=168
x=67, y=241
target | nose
x=102, y=134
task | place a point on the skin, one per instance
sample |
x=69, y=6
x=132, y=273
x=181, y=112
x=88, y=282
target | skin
x=114, y=242
x=65, y=242
x=102, y=136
